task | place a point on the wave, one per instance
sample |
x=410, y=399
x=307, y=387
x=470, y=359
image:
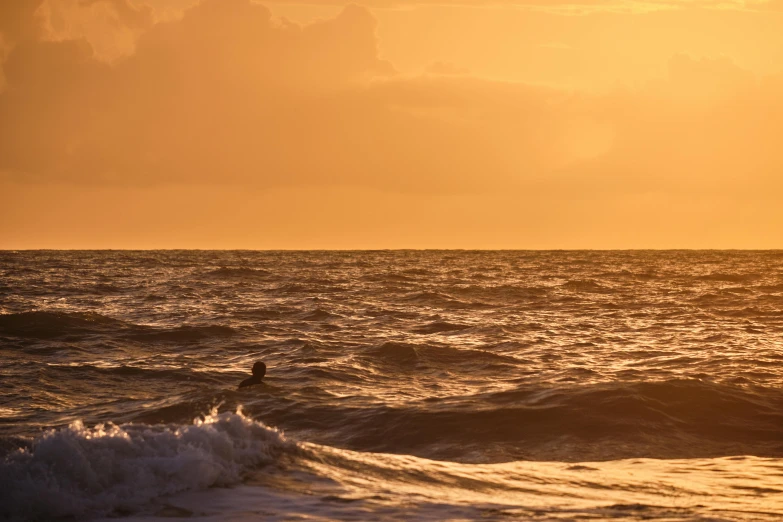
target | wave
x=668, y=419
x=771, y=288
x=440, y=327
x=396, y=352
x=389, y=277
x=80, y=471
x=50, y=325
x=503, y=292
x=293, y=288
x=262, y=314
x=107, y=288
x=239, y=273
x=636, y=489
x=45, y=325
x=720, y=277
x=126, y=371
x=319, y=314
x=182, y=333
x=117, y=471
x=418, y=272
x=627, y=274
x=586, y=286
x=403, y=353
x=437, y=300
x=750, y=311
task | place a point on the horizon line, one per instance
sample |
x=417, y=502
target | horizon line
x=404, y=249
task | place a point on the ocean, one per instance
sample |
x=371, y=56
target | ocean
x=400, y=385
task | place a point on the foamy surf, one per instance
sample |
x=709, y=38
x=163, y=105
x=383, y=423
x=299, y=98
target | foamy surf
x=81, y=472
x=229, y=467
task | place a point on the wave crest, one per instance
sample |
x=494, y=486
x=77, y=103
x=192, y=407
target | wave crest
x=80, y=471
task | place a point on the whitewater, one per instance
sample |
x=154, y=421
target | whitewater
x=427, y=385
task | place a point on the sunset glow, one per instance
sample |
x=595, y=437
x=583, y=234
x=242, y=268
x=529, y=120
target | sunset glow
x=391, y=124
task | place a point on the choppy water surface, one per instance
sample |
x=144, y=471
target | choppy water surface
x=432, y=385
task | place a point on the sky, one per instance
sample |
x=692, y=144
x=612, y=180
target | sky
x=521, y=124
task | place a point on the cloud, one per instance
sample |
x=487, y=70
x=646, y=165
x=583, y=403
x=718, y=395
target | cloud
x=230, y=95
x=227, y=94
x=567, y=7
x=128, y=13
x=111, y=26
x=18, y=20
x=224, y=93
x=707, y=78
x=446, y=69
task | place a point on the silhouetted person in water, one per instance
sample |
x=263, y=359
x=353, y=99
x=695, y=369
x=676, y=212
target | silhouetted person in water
x=259, y=369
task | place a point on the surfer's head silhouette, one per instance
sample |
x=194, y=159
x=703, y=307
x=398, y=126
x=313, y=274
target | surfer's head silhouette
x=259, y=370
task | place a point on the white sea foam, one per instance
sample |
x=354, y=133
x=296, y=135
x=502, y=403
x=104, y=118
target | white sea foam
x=156, y=472
x=81, y=471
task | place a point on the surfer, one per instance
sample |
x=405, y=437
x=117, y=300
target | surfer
x=259, y=369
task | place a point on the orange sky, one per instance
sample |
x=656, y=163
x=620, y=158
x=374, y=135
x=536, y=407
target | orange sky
x=391, y=124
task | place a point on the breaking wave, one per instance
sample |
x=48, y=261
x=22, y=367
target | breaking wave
x=79, y=471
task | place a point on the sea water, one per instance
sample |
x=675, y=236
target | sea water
x=638, y=385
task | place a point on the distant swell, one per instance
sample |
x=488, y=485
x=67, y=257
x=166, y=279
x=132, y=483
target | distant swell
x=730, y=278
x=675, y=419
x=319, y=315
x=184, y=333
x=587, y=286
x=91, y=371
x=78, y=471
x=436, y=299
x=50, y=324
x=440, y=327
x=44, y=325
x=241, y=273
x=440, y=356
